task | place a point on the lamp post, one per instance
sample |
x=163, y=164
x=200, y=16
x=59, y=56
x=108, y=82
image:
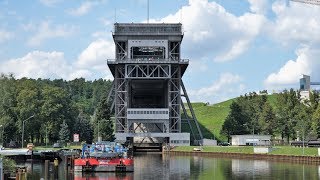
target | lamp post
x=2, y=134
x=99, y=137
x=22, y=136
x=46, y=136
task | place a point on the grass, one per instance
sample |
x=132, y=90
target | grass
x=278, y=150
x=296, y=151
x=212, y=117
x=222, y=149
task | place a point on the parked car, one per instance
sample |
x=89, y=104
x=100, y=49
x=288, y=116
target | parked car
x=57, y=145
x=13, y=144
x=224, y=144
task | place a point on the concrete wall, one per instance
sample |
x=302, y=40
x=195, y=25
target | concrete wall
x=209, y=142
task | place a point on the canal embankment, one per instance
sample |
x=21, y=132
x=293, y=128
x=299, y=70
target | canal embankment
x=279, y=153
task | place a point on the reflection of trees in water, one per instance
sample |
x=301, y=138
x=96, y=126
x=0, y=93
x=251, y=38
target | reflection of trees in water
x=294, y=171
x=177, y=167
x=223, y=169
x=149, y=166
x=196, y=166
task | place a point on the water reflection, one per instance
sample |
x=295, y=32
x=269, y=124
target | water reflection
x=103, y=176
x=157, y=166
x=250, y=168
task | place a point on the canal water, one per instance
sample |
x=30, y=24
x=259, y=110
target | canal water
x=158, y=166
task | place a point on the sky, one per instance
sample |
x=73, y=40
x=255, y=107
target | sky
x=234, y=46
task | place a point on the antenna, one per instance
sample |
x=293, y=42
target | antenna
x=115, y=15
x=181, y=15
x=148, y=11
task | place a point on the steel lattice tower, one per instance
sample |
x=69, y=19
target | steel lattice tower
x=147, y=90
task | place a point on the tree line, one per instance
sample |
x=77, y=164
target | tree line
x=286, y=115
x=53, y=110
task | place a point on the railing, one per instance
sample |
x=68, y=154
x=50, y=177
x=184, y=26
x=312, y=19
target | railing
x=141, y=28
x=149, y=61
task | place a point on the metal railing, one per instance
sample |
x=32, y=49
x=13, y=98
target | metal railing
x=148, y=61
x=140, y=28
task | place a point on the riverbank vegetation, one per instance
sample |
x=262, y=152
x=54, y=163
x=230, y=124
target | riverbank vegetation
x=52, y=110
x=283, y=115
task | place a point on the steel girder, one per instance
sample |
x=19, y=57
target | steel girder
x=152, y=71
x=121, y=96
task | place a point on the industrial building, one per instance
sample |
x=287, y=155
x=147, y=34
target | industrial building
x=251, y=139
x=147, y=91
x=305, y=86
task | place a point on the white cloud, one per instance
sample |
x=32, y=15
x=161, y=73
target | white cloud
x=96, y=54
x=48, y=31
x=50, y=2
x=84, y=8
x=100, y=34
x=38, y=64
x=298, y=23
x=90, y=64
x=211, y=31
x=225, y=87
x=307, y=62
x=5, y=35
x=259, y=6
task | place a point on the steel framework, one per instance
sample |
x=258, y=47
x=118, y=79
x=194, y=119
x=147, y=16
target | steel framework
x=128, y=71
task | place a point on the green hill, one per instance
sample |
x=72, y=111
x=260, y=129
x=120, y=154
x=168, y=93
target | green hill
x=212, y=117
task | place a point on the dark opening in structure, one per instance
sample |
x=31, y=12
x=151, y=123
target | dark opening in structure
x=148, y=94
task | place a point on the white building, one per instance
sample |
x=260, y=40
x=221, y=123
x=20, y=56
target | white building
x=250, y=139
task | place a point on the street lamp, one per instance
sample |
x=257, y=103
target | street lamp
x=2, y=132
x=23, y=129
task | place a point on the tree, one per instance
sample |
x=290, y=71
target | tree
x=267, y=119
x=64, y=133
x=28, y=103
x=56, y=108
x=315, y=124
x=252, y=105
x=8, y=107
x=83, y=128
x=287, y=108
x=236, y=122
x=104, y=121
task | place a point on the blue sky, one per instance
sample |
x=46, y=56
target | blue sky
x=234, y=46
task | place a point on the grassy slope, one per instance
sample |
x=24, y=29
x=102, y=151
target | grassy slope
x=212, y=117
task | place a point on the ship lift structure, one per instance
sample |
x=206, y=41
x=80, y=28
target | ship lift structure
x=147, y=92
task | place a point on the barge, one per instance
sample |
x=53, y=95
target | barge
x=104, y=157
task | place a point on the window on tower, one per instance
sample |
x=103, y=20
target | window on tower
x=148, y=52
